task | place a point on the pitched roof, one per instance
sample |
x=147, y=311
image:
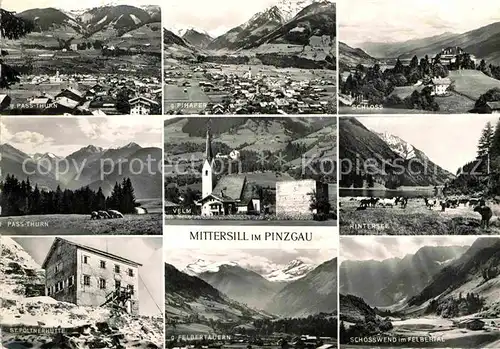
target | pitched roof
x=230, y=187
x=493, y=105
x=86, y=248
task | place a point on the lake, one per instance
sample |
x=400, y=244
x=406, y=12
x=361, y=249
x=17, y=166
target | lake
x=387, y=193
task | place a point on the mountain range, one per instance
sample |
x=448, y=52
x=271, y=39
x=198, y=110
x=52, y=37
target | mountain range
x=287, y=33
x=390, y=281
x=360, y=145
x=314, y=292
x=446, y=282
x=105, y=23
x=90, y=165
x=483, y=42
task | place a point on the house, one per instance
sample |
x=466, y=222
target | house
x=142, y=106
x=87, y=276
x=71, y=93
x=232, y=194
x=472, y=324
x=493, y=107
x=440, y=86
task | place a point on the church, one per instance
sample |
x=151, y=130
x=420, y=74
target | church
x=227, y=195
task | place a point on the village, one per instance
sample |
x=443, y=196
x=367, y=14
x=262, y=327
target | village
x=212, y=88
x=83, y=94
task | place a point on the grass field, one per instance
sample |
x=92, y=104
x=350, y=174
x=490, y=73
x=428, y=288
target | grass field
x=75, y=224
x=454, y=104
x=472, y=83
x=174, y=220
x=416, y=219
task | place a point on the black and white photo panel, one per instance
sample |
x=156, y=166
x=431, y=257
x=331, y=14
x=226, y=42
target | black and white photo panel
x=81, y=58
x=258, y=57
x=82, y=292
x=419, y=292
x=250, y=171
x=81, y=175
x=419, y=175
x=417, y=57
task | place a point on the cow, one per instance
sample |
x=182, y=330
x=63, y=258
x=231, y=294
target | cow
x=364, y=203
x=404, y=202
x=94, y=215
x=463, y=201
x=444, y=205
x=103, y=214
x=115, y=214
x=486, y=215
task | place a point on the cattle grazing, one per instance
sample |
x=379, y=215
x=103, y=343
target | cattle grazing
x=373, y=201
x=452, y=203
x=115, y=214
x=94, y=215
x=103, y=215
x=140, y=210
x=486, y=215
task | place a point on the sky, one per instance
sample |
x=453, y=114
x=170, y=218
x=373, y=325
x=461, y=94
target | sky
x=449, y=141
x=380, y=248
x=262, y=261
x=22, y=5
x=215, y=17
x=393, y=21
x=145, y=250
x=63, y=136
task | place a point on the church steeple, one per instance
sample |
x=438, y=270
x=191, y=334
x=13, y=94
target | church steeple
x=207, y=179
x=208, y=146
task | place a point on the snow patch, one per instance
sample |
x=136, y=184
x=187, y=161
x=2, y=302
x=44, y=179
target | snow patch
x=103, y=20
x=201, y=266
x=135, y=19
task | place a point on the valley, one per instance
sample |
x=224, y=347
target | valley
x=453, y=304
x=453, y=72
x=82, y=62
x=281, y=61
x=208, y=302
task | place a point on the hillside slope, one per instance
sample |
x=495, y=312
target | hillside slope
x=313, y=294
x=359, y=145
x=350, y=57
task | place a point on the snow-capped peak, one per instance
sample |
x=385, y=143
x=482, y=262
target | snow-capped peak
x=398, y=145
x=202, y=266
x=294, y=270
x=290, y=8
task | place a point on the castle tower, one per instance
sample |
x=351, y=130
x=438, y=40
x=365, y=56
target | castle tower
x=207, y=171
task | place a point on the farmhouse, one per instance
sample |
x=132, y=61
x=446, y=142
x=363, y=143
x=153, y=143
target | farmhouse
x=87, y=276
x=141, y=105
x=232, y=194
x=296, y=197
x=493, y=107
x=472, y=324
x=440, y=86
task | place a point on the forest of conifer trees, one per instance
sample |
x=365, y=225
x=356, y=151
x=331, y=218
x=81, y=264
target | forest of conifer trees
x=19, y=198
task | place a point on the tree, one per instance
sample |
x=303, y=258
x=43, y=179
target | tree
x=11, y=28
x=484, y=144
x=122, y=104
